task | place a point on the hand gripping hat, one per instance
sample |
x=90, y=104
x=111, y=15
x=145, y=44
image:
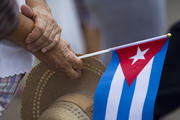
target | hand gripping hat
x=53, y=96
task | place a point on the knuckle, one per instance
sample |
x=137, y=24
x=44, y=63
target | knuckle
x=52, y=20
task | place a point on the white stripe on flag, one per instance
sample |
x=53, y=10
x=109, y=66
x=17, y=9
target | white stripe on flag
x=115, y=94
x=141, y=88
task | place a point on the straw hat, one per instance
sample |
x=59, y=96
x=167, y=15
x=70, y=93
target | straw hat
x=53, y=96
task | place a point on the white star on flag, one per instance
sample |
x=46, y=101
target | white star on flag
x=139, y=56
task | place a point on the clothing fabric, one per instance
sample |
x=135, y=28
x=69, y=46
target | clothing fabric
x=125, y=21
x=14, y=59
x=65, y=13
x=8, y=88
x=9, y=17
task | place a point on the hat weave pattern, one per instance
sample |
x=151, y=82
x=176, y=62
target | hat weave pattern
x=37, y=88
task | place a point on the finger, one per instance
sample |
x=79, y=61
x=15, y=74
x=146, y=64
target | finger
x=38, y=44
x=73, y=60
x=56, y=30
x=41, y=47
x=40, y=26
x=71, y=56
x=48, y=31
x=27, y=11
x=76, y=62
x=68, y=46
x=50, y=46
x=34, y=35
x=73, y=74
x=44, y=43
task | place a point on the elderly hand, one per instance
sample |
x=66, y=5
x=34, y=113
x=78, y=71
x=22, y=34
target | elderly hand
x=64, y=59
x=61, y=57
x=46, y=32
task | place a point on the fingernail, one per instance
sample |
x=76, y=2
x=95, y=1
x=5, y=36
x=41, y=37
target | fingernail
x=44, y=50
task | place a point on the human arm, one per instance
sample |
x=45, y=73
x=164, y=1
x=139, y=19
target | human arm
x=38, y=3
x=59, y=58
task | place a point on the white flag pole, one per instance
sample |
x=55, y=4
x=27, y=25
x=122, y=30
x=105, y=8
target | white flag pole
x=125, y=46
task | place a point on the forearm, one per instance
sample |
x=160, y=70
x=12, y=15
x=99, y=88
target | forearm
x=24, y=27
x=59, y=58
x=38, y=3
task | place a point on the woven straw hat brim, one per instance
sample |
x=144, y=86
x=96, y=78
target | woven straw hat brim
x=44, y=86
x=69, y=107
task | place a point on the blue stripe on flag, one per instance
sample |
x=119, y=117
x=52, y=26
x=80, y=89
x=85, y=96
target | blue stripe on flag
x=126, y=100
x=157, y=67
x=102, y=91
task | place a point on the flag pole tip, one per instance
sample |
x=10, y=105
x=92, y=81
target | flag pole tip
x=169, y=35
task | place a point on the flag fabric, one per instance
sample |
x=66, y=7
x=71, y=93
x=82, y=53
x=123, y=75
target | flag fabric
x=127, y=90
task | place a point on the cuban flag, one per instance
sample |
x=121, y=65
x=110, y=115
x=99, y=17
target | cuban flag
x=127, y=90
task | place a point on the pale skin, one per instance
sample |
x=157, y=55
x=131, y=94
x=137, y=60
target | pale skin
x=46, y=32
x=58, y=54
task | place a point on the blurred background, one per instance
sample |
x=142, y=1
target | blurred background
x=88, y=27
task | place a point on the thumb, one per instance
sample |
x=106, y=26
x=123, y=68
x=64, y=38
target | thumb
x=27, y=11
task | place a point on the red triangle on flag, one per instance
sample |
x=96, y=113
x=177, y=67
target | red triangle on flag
x=134, y=59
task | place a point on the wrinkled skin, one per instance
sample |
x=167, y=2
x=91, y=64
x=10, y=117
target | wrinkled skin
x=46, y=33
x=45, y=36
x=62, y=58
